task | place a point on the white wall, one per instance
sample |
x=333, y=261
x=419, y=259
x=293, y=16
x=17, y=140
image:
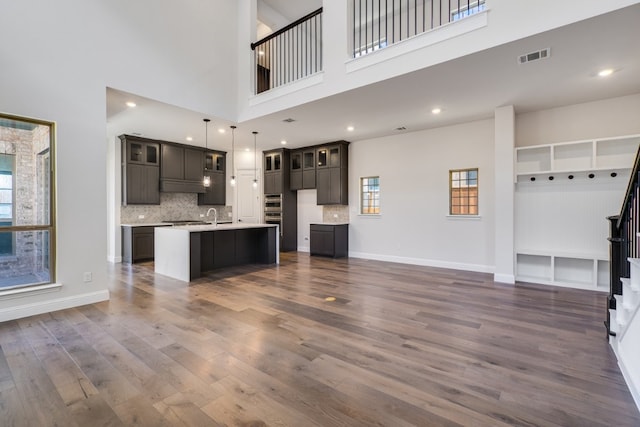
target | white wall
x=308, y=213
x=414, y=226
x=61, y=58
x=599, y=119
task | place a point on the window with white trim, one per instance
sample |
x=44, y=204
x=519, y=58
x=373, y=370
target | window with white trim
x=370, y=195
x=463, y=192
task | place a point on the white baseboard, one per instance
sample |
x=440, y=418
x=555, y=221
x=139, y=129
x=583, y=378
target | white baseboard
x=114, y=260
x=425, y=262
x=509, y=279
x=31, y=309
x=304, y=249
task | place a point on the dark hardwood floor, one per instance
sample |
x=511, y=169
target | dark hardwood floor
x=261, y=346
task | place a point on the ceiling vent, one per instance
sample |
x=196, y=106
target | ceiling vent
x=534, y=56
x=289, y=120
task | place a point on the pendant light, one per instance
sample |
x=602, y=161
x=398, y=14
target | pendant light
x=233, y=156
x=206, y=181
x=255, y=162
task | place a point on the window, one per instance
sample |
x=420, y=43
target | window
x=463, y=192
x=27, y=232
x=370, y=195
x=6, y=202
x=467, y=9
x=6, y=188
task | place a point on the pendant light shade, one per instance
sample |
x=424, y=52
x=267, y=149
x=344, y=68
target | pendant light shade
x=232, y=182
x=206, y=180
x=255, y=161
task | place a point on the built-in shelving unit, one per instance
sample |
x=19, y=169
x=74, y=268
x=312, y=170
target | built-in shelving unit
x=605, y=154
x=564, y=192
x=586, y=271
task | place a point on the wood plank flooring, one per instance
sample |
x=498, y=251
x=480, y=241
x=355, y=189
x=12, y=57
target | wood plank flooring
x=260, y=346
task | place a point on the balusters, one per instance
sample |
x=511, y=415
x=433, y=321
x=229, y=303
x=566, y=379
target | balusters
x=289, y=54
x=404, y=18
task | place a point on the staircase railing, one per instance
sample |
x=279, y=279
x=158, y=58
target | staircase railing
x=289, y=54
x=623, y=238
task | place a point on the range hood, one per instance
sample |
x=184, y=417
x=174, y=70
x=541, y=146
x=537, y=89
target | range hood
x=181, y=186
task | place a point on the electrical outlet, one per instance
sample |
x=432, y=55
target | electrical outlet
x=229, y=214
x=87, y=276
x=201, y=215
x=306, y=238
x=140, y=216
x=335, y=215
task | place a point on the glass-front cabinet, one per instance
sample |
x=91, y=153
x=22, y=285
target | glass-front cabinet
x=214, y=161
x=143, y=153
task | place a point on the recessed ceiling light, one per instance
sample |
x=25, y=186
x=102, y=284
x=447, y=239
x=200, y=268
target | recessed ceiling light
x=189, y=138
x=283, y=142
x=131, y=104
x=606, y=72
x=436, y=110
x=350, y=128
x=222, y=130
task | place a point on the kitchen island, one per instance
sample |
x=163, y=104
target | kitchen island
x=185, y=252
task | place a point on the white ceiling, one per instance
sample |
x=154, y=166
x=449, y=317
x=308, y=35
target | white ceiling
x=467, y=89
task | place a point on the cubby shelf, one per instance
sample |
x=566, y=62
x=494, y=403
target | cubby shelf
x=605, y=154
x=583, y=271
x=560, y=211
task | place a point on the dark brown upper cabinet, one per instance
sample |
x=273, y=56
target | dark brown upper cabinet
x=140, y=171
x=332, y=174
x=214, y=167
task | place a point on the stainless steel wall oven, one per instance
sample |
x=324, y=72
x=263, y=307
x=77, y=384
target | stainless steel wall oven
x=273, y=209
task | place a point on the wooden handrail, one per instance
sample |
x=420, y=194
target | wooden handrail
x=285, y=29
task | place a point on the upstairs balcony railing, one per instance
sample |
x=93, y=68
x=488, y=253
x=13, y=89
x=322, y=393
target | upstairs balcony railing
x=381, y=23
x=290, y=53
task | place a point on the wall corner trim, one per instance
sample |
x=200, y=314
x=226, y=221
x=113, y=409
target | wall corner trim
x=32, y=309
x=504, y=278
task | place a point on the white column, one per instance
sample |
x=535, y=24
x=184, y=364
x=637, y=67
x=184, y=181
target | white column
x=504, y=190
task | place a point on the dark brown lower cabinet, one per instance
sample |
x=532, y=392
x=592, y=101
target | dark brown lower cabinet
x=225, y=248
x=329, y=240
x=138, y=243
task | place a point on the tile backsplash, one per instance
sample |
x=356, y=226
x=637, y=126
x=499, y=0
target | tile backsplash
x=335, y=214
x=172, y=207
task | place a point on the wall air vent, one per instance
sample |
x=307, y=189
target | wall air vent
x=534, y=56
x=289, y=120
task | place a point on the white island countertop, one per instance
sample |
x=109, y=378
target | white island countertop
x=223, y=226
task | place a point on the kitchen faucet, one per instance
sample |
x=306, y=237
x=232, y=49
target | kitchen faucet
x=215, y=215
